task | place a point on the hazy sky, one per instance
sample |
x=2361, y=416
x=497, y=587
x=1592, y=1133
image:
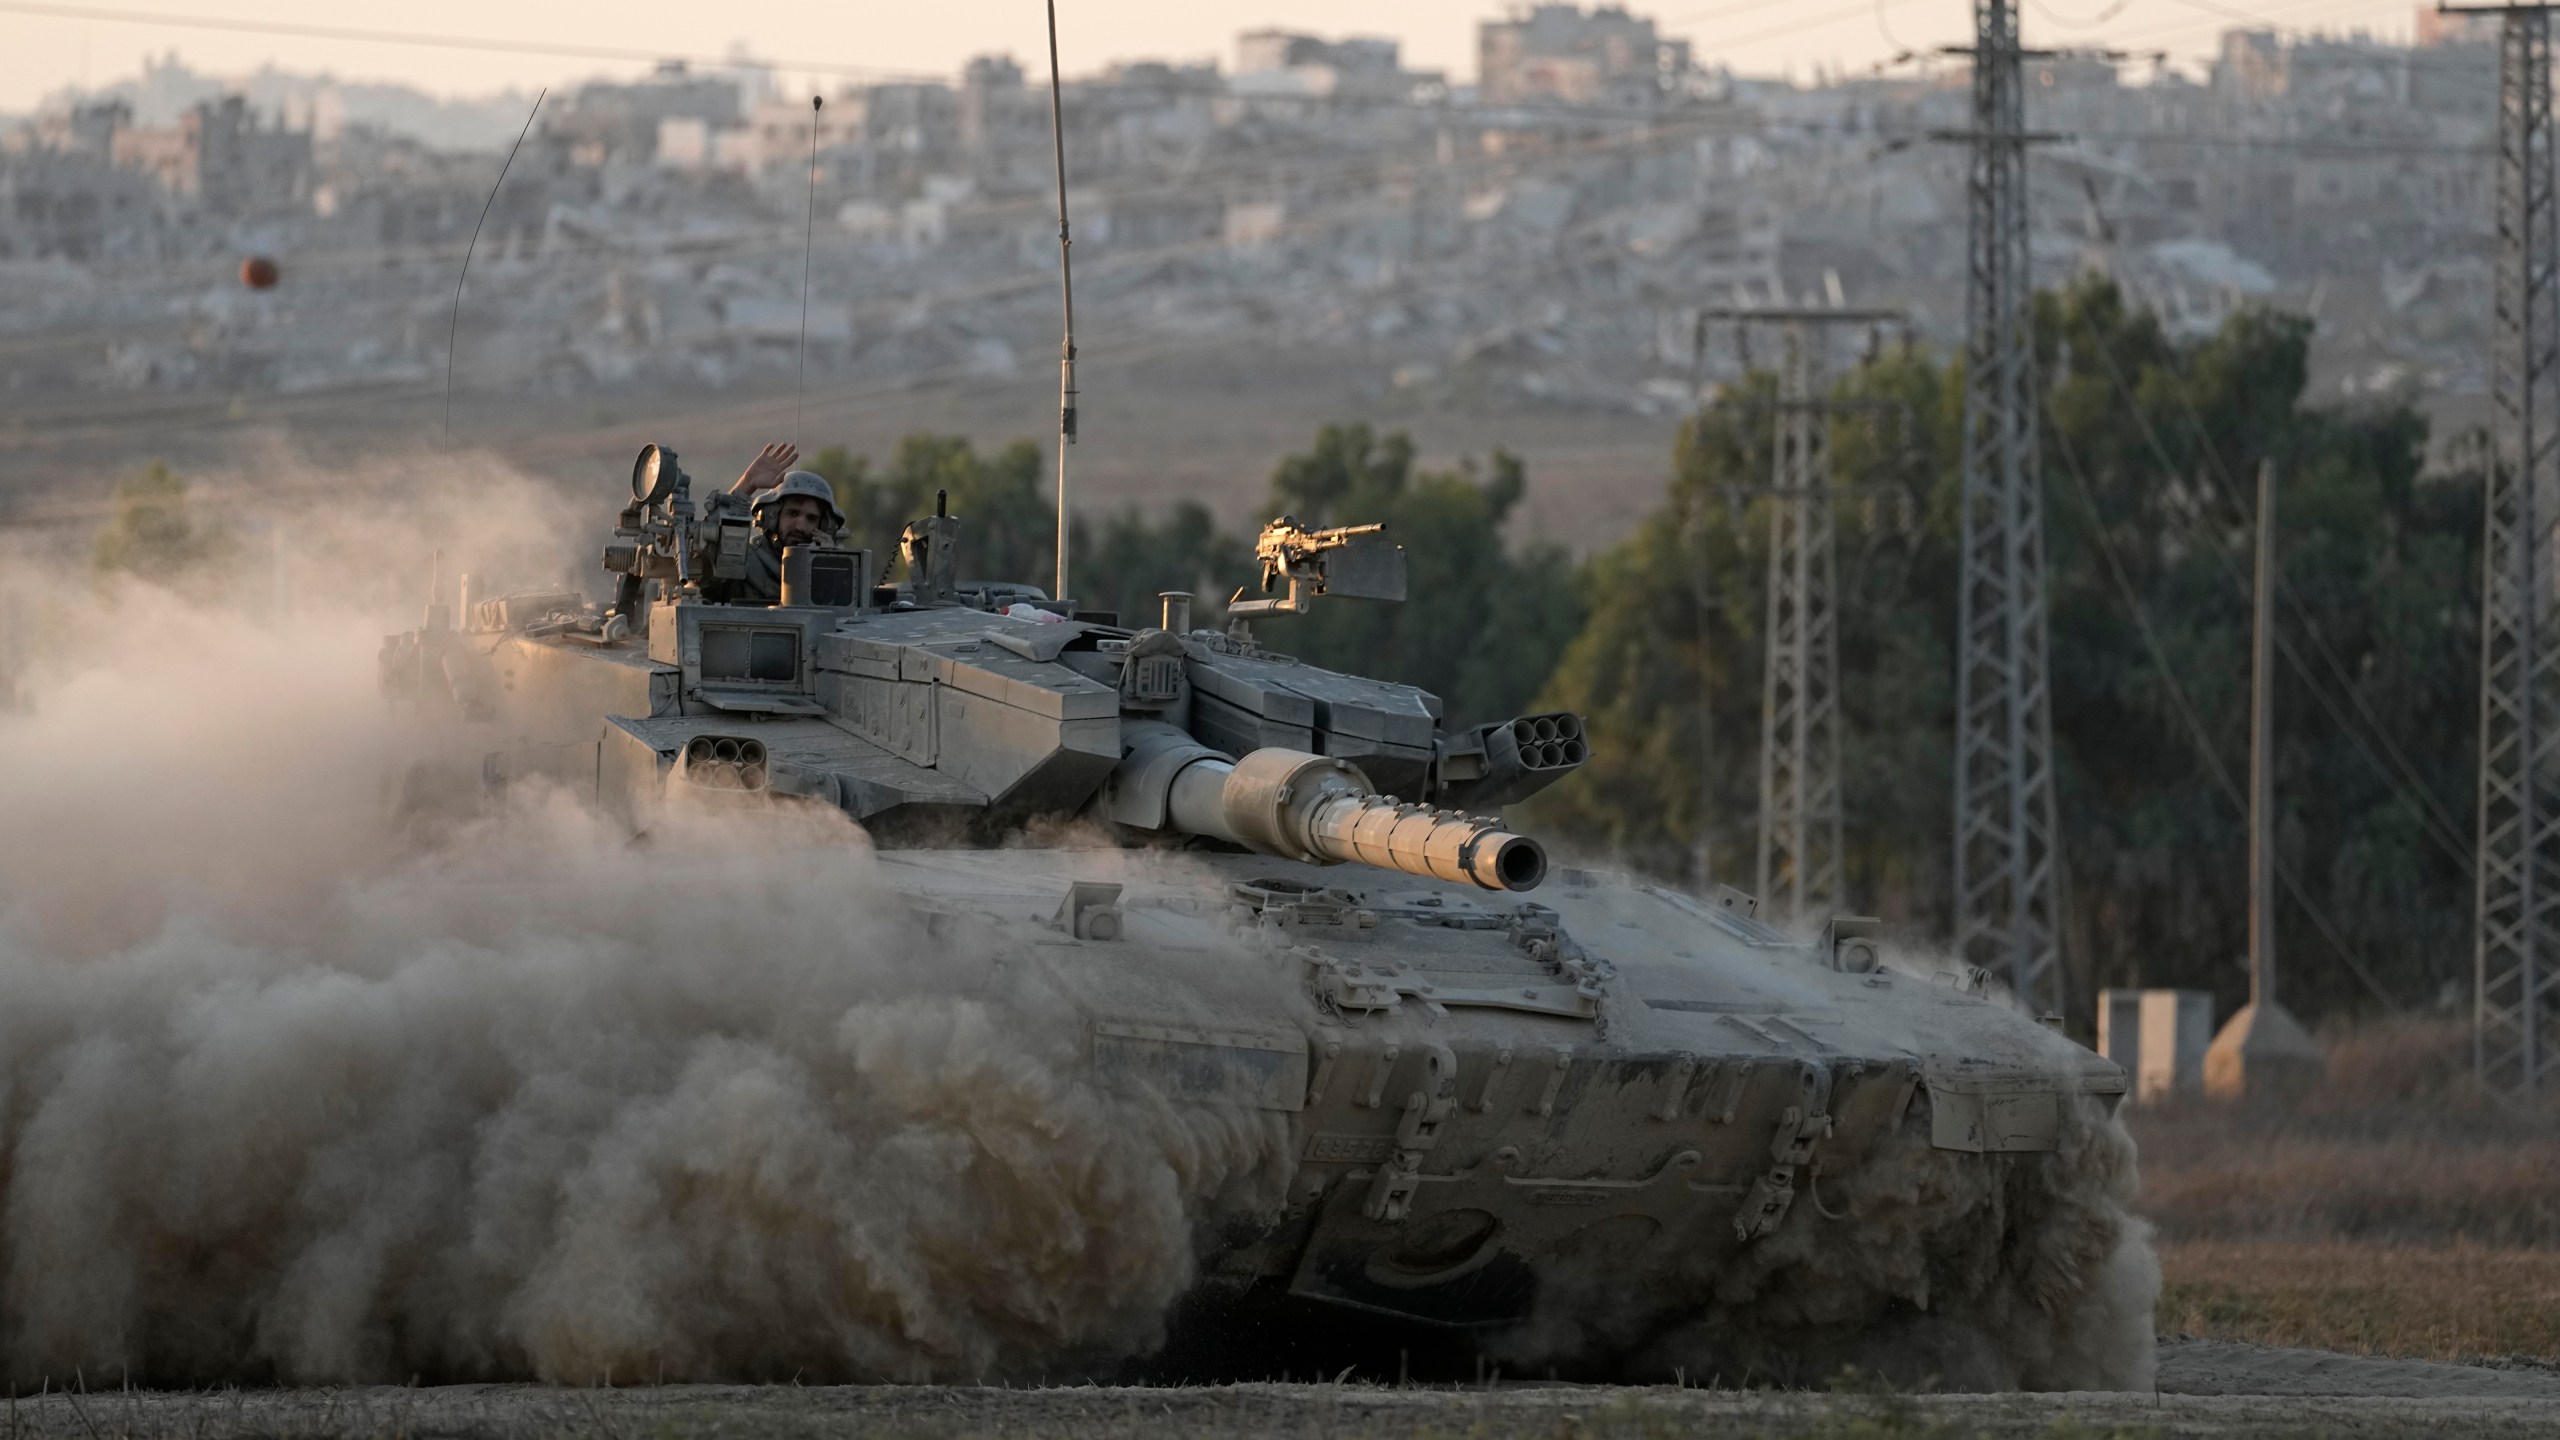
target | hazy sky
x=41, y=52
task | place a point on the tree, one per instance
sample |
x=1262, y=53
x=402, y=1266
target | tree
x=1482, y=629
x=1011, y=523
x=1483, y=621
x=1130, y=560
x=151, y=531
x=2149, y=448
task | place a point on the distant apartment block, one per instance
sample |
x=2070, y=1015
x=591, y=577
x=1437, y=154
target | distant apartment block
x=219, y=157
x=1560, y=54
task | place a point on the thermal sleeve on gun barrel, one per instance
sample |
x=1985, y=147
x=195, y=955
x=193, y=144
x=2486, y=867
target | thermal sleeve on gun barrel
x=1324, y=812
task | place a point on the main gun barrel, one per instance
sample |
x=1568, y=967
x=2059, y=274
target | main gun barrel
x=1325, y=812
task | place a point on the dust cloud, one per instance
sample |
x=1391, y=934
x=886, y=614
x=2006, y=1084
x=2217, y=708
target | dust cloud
x=1953, y=1271
x=1908, y=1267
x=285, y=1094
x=1917, y=1268
x=291, y=1093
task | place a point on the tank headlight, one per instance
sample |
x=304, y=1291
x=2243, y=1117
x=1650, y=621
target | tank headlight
x=1854, y=944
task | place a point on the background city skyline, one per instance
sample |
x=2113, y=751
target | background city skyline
x=57, y=47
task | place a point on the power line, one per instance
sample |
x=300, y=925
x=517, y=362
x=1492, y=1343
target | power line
x=218, y=413
x=2007, y=851
x=2410, y=57
x=1385, y=169
x=2516, y=995
x=2303, y=619
x=2112, y=9
x=2306, y=145
x=2233, y=12
x=951, y=379
x=427, y=40
x=1801, y=22
x=2184, y=705
x=2406, y=782
x=626, y=54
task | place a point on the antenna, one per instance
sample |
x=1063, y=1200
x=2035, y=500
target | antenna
x=453, y=324
x=1067, y=295
x=808, y=240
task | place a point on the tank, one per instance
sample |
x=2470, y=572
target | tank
x=1538, y=1109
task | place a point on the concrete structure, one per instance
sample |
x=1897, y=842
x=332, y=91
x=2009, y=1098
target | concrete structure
x=2159, y=1037
x=2263, y=1055
x=1559, y=54
x=604, y=119
x=1539, y=241
x=1003, y=126
x=220, y=157
x=1258, y=51
x=69, y=206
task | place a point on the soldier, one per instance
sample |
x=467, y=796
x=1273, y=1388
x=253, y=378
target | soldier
x=790, y=507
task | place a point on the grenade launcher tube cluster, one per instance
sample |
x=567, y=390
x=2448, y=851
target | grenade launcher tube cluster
x=1325, y=812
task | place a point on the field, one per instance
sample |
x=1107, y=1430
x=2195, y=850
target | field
x=2462, y=1303
x=2319, y=1268
x=1208, y=425
x=2395, y=1214
x=1314, y=1412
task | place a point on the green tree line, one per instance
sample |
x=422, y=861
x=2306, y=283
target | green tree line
x=2150, y=447
x=1482, y=629
x=2150, y=451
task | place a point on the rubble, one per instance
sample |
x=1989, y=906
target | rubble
x=1550, y=232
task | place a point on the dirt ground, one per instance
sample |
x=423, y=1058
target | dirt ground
x=2206, y=1389
x=2439, y=1302
x=1208, y=422
x=2393, y=1212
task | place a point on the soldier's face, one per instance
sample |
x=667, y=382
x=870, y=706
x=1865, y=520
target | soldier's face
x=796, y=520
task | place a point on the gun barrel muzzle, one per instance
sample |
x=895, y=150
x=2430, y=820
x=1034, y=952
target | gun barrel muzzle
x=1325, y=812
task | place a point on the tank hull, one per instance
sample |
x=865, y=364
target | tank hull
x=1502, y=1132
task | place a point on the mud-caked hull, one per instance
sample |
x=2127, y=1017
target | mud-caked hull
x=1580, y=1128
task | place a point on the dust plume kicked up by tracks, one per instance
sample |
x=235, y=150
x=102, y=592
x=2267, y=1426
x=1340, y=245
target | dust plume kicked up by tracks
x=290, y=1094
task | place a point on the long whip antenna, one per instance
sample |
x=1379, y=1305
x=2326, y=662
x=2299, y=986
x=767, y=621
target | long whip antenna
x=453, y=323
x=1067, y=295
x=808, y=240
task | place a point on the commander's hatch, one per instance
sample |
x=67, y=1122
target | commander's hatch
x=742, y=659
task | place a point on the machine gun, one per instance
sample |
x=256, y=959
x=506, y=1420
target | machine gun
x=1345, y=561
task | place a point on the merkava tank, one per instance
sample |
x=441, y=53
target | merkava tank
x=1557, y=1112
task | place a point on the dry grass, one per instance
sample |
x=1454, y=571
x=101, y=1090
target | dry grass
x=2457, y=1303
x=1261, y=1412
x=2212, y=1179
x=2395, y=1212
x=2395, y=1148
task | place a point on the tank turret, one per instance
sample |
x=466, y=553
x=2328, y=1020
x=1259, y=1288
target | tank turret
x=936, y=699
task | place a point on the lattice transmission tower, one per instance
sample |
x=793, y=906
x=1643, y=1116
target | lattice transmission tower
x=1800, y=872
x=2006, y=851
x=1800, y=678
x=2517, y=1001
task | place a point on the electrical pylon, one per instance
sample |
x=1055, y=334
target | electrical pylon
x=1800, y=678
x=2006, y=850
x=1801, y=852
x=2517, y=1002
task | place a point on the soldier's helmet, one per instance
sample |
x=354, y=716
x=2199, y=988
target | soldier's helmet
x=800, y=482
